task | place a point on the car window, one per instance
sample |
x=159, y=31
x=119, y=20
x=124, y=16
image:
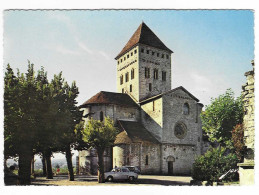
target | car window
x=118, y=170
x=113, y=170
x=125, y=170
x=131, y=168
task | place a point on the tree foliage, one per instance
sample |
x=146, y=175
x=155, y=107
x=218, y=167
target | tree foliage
x=39, y=116
x=221, y=116
x=213, y=164
x=100, y=135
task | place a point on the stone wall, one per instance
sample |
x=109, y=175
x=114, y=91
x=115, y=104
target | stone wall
x=152, y=117
x=149, y=59
x=115, y=112
x=173, y=113
x=246, y=169
x=183, y=158
x=146, y=156
x=125, y=64
x=138, y=60
x=88, y=158
x=249, y=132
x=88, y=161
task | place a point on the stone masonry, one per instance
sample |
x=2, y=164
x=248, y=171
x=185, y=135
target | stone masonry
x=246, y=169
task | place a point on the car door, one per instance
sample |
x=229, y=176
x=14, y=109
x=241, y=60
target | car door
x=117, y=174
x=125, y=173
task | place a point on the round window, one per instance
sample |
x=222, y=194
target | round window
x=180, y=130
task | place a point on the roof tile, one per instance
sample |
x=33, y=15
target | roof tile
x=145, y=36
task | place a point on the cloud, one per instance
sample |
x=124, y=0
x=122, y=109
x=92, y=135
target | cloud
x=83, y=46
x=105, y=55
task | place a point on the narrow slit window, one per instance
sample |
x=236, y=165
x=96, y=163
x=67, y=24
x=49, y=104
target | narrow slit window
x=121, y=79
x=132, y=74
x=163, y=76
x=147, y=72
x=101, y=116
x=127, y=77
x=146, y=160
x=186, y=109
x=150, y=87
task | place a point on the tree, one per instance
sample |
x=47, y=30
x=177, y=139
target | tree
x=213, y=164
x=221, y=116
x=238, y=141
x=39, y=117
x=65, y=96
x=20, y=120
x=100, y=135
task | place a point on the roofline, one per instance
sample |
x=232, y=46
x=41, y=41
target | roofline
x=95, y=104
x=84, y=105
x=137, y=44
x=161, y=94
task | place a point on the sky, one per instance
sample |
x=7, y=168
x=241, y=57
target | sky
x=212, y=49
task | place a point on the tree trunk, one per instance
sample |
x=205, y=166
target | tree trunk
x=43, y=160
x=25, y=157
x=69, y=164
x=100, y=166
x=32, y=166
x=48, y=165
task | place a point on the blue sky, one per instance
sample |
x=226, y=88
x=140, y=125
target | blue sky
x=212, y=49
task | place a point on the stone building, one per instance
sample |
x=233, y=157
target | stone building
x=246, y=169
x=160, y=127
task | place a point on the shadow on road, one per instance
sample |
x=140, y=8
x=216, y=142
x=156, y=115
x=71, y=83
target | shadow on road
x=161, y=182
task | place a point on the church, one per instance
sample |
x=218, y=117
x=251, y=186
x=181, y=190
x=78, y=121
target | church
x=160, y=127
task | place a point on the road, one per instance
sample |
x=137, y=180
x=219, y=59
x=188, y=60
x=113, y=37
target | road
x=92, y=180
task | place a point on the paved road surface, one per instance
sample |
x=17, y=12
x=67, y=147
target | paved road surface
x=92, y=180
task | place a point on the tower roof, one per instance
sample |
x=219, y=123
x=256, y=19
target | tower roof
x=145, y=36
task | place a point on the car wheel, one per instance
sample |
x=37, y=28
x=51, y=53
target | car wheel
x=131, y=178
x=110, y=179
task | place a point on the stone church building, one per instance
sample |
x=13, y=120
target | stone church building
x=160, y=127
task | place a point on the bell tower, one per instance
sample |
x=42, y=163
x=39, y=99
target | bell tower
x=144, y=65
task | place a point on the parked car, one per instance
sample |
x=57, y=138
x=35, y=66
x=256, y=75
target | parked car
x=120, y=173
x=133, y=169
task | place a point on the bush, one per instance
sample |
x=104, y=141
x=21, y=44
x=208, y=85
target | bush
x=62, y=171
x=214, y=163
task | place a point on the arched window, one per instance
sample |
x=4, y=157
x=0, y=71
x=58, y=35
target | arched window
x=186, y=109
x=101, y=116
